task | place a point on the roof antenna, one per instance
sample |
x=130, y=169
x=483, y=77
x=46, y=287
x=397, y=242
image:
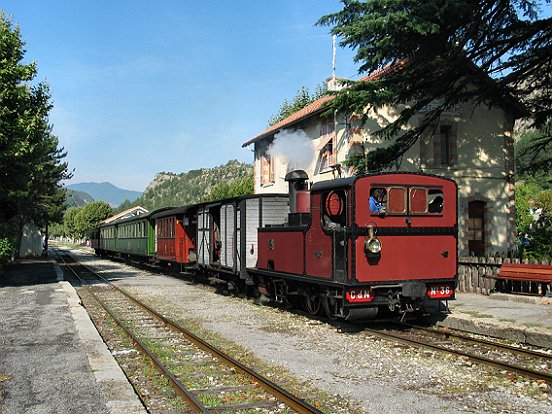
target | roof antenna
x=333, y=58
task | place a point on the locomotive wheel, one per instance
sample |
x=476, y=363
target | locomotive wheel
x=312, y=303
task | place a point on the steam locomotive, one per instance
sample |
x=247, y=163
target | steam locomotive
x=324, y=247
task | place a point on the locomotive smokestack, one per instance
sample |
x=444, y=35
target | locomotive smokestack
x=299, y=196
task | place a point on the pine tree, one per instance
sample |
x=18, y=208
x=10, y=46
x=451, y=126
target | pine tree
x=31, y=165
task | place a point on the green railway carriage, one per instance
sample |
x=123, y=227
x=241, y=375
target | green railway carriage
x=108, y=238
x=136, y=236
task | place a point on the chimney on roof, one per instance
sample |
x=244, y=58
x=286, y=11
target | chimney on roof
x=335, y=84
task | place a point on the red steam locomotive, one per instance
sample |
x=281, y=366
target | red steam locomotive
x=352, y=260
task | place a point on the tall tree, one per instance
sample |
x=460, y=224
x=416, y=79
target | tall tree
x=299, y=101
x=31, y=165
x=90, y=216
x=444, y=50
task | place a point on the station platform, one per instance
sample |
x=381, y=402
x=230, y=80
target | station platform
x=52, y=360
x=520, y=318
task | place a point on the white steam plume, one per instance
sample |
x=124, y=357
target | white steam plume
x=294, y=148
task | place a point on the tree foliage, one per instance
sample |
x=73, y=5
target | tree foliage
x=444, y=50
x=535, y=163
x=227, y=189
x=78, y=221
x=31, y=163
x=299, y=101
x=91, y=215
x=535, y=237
x=533, y=190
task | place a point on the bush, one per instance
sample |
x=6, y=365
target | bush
x=6, y=250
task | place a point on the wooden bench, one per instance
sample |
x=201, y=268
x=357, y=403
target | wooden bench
x=539, y=275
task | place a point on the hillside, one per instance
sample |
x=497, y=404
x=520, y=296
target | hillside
x=77, y=198
x=106, y=192
x=170, y=189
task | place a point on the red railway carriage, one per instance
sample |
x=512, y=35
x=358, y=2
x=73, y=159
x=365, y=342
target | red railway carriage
x=353, y=256
x=175, y=235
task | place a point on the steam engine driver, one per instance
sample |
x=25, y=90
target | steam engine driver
x=376, y=201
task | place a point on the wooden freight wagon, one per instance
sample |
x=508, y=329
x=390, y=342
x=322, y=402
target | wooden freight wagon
x=227, y=238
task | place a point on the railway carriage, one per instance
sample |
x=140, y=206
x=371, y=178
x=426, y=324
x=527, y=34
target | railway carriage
x=227, y=239
x=175, y=235
x=107, y=234
x=136, y=237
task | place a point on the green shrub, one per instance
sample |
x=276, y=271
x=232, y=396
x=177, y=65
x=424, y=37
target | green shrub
x=6, y=250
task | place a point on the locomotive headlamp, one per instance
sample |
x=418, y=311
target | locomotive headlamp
x=372, y=245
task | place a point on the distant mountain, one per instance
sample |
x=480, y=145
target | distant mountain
x=106, y=192
x=77, y=198
x=170, y=189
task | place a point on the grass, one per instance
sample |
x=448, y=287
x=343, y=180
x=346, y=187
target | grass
x=477, y=314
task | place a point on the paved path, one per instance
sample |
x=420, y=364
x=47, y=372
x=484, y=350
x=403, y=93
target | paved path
x=52, y=360
x=525, y=319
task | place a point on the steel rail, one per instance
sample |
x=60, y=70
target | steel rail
x=175, y=383
x=297, y=404
x=451, y=333
x=289, y=399
x=496, y=364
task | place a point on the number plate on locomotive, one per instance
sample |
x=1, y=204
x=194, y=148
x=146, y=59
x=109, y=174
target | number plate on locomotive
x=359, y=295
x=440, y=291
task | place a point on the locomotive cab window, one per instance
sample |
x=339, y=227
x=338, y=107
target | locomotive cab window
x=396, y=203
x=426, y=201
x=378, y=200
x=334, y=209
x=418, y=200
x=435, y=201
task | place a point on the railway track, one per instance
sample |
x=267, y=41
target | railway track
x=202, y=375
x=529, y=363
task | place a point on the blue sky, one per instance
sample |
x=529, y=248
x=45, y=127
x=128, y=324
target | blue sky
x=145, y=86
